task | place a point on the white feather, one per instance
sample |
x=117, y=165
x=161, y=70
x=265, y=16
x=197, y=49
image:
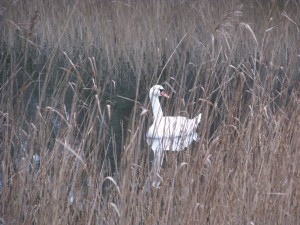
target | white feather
x=168, y=133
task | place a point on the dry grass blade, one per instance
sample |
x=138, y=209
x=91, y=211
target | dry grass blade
x=72, y=151
x=58, y=113
x=115, y=208
x=114, y=182
x=170, y=57
x=74, y=85
x=286, y=16
x=248, y=28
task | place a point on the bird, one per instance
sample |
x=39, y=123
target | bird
x=173, y=133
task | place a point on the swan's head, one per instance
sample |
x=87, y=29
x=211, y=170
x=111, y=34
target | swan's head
x=157, y=91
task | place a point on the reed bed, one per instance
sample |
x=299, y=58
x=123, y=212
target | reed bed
x=74, y=81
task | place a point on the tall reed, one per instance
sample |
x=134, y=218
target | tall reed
x=74, y=80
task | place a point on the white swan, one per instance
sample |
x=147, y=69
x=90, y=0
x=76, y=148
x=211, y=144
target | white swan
x=167, y=132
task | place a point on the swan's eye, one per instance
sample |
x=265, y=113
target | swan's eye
x=161, y=90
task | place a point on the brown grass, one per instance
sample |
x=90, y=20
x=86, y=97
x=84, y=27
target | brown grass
x=75, y=76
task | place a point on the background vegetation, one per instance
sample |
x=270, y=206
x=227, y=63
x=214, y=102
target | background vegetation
x=74, y=80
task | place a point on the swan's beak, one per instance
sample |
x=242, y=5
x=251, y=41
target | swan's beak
x=163, y=93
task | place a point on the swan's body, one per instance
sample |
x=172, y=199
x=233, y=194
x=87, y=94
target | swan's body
x=172, y=133
x=167, y=132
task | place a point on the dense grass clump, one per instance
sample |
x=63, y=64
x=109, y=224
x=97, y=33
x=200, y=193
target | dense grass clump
x=74, y=79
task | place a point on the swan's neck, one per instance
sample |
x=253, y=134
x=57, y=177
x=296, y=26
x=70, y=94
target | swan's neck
x=157, y=111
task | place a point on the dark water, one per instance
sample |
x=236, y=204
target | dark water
x=26, y=84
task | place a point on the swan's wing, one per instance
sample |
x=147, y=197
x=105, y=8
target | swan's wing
x=172, y=133
x=172, y=127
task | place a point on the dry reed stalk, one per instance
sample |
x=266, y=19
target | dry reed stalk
x=55, y=93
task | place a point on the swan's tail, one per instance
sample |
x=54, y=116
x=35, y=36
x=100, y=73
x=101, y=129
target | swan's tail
x=198, y=118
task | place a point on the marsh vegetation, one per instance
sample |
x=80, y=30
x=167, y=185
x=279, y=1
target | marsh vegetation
x=74, y=79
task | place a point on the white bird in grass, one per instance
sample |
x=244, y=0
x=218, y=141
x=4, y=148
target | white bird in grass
x=168, y=132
